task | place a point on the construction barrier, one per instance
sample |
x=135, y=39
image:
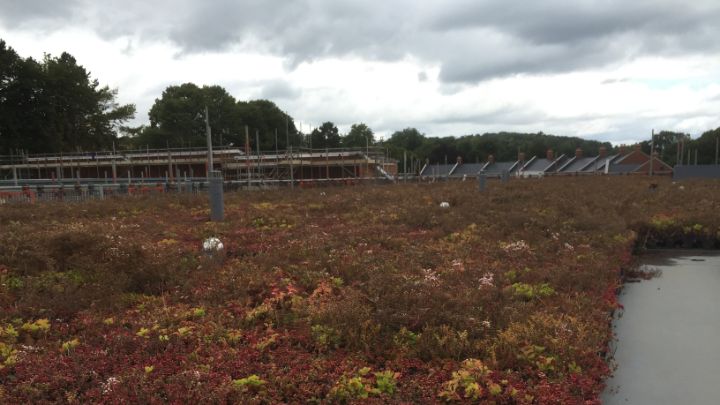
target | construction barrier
x=25, y=195
x=141, y=190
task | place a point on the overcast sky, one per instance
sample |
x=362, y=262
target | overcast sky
x=608, y=70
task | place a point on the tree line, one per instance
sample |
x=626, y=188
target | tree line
x=177, y=119
x=54, y=106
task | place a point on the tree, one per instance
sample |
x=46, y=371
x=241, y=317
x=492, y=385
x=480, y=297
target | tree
x=178, y=118
x=268, y=119
x=24, y=122
x=403, y=144
x=327, y=136
x=360, y=135
x=705, y=145
x=407, y=139
x=55, y=106
x=476, y=148
x=667, y=145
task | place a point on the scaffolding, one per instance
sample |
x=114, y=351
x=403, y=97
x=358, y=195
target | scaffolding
x=294, y=166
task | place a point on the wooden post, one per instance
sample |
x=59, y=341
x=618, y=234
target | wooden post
x=652, y=151
x=292, y=170
x=114, y=167
x=170, y=171
x=257, y=146
x=208, y=136
x=247, y=154
x=405, y=166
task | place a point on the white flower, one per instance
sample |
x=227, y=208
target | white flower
x=108, y=385
x=444, y=204
x=518, y=246
x=212, y=244
x=429, y=276
x=458, y=265
x=486, y=324
x=486, y=280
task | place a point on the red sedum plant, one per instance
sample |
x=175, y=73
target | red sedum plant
x=372, y=294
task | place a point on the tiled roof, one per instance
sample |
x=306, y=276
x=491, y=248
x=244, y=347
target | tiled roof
x=601, y=163
x=577, y=164
x=499, y=167
x=623, y=168
x=470, y=169
x=537, y=165
x=437, y=170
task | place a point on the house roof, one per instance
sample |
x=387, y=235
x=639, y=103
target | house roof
x=437, y=169
x=470, y=169
x=559, y=162
x=577, y=164
x=623, y=168
x=602, y=162
x=658, y=165
x=537, y=165
x=498, y=167
x=562, y=164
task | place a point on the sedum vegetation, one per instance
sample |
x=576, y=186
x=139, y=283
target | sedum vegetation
x=372, y=294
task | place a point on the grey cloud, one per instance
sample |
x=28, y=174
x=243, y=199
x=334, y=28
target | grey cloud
x=508, y=115
x=279, y=90
x=20, y=11
x=27, y=12
x=553, y=36
x=470, y=40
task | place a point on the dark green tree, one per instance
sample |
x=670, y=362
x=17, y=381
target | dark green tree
x=274, y=126
x=667, y=145
x=55, y=106
x=705, y=145
x=177, y=119
x=359, y=135
x=327, y=136
x=24, y=121
x=407, y=139
x=403, y=145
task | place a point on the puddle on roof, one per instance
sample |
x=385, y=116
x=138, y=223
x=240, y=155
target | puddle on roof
x=668, y=336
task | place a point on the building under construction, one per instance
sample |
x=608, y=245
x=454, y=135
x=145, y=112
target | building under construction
x=290, y=167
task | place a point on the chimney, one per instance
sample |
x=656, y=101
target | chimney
x=603, y=152
x=578, y=153
x=637, y=148
x=550, y=155
x=491, y=159
x=521, y=156
x=622, y=150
